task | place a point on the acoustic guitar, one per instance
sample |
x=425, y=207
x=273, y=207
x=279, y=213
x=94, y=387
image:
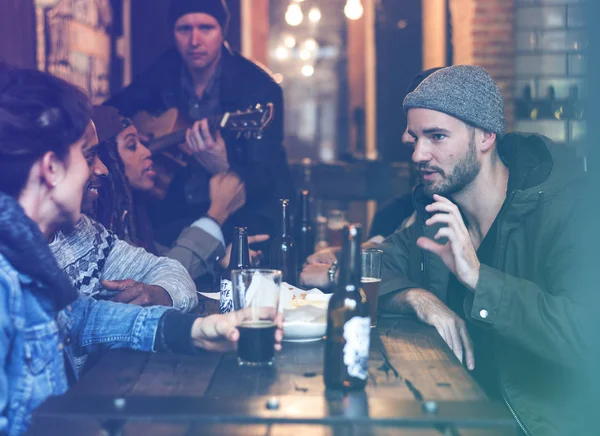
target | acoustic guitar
x=166, y=137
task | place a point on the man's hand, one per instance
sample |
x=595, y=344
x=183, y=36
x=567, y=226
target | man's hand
x=448, y=324
x=255, y=256
x=209, y=151
x=458, y=253
x=138, y=293
x=315, y=274
x=227, y=195
x=325, y=256
x=220, y=333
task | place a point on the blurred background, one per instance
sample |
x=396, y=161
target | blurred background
x=344, y=66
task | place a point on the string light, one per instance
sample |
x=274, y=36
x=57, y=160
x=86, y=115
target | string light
x=289, y=41
x=304, y=55
x=353, y=9
x=310, y=44
x=308, y=70
x=314, y=15
x=282, y=53
x=294, y=15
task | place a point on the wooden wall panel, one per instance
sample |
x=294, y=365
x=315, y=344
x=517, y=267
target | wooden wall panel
x=17, y=33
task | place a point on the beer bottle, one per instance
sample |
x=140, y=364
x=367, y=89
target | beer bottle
x=239, y=259
x=303, y=230
x=348, y=322
x=283, y=254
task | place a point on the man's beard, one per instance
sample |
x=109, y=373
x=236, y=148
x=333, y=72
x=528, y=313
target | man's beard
x=465, y=171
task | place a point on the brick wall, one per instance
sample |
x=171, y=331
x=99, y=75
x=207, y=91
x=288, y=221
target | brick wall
x=483, y=34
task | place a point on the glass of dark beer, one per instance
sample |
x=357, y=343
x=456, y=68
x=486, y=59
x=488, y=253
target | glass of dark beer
x=256, y=291
x=371, y=279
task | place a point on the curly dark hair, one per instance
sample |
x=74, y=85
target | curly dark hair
x=119, y=208
x=38, y=113
x=115, y=201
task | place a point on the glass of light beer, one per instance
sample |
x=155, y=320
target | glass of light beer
x=256, y=292
x=371, y=279
x=336, y=221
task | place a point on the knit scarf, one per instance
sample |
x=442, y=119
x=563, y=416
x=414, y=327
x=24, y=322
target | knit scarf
x=26, y=249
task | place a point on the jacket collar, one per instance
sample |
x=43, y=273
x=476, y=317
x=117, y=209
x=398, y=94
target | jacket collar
x=232, y=86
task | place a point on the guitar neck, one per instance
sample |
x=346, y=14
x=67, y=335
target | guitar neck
x=177, y=137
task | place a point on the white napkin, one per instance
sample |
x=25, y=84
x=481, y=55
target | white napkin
x=306, y=313
x=313, y=313
x=261, y=291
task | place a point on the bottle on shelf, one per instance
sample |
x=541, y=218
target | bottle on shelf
x=525, y=107
x=550, y=108
x=574, y=109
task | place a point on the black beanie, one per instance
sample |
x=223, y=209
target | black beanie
x=215, y=8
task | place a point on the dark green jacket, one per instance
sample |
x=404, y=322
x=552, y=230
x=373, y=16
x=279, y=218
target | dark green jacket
x=537, y=293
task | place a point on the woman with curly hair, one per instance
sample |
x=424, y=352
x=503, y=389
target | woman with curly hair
x=120, y=206
x=200, y=248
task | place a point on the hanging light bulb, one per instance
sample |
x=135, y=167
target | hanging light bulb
x=289, y=41
x=293, y=14
x=282, y=53
x=304, y=54
x=353, y=9
x=308, y=70
x=314, y=15
x=310, y=44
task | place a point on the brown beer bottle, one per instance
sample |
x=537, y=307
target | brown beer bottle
x=348, y=322
x=283, y=253
x=303, y=230
x=239, y=259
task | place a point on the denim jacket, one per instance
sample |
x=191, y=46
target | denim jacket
x=37, y=342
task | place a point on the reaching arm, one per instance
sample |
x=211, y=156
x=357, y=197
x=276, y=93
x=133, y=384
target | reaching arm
x=128, y=262
x=197, y=250
x=99, y=324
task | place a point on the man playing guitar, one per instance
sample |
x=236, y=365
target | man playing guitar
x=203, y=78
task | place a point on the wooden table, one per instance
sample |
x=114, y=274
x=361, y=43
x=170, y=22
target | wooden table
x=410, y=368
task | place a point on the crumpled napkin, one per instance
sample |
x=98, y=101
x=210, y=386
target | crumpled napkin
x=312, y=309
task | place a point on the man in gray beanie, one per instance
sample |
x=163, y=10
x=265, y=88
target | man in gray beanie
x=203, y=78
x=490, y=260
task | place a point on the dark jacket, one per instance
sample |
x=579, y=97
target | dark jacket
x=538, y=292
x=261, y=163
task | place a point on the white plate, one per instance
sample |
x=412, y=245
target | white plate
x=299, y=331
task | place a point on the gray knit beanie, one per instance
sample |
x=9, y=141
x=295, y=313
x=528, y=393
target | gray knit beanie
x=465, y=92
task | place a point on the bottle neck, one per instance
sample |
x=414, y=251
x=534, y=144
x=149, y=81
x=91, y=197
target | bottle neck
x=285, y=218
x=304, y=207
x=351, y=268
x=240, y=253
